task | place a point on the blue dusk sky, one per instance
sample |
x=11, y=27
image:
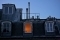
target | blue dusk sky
x=43, y=7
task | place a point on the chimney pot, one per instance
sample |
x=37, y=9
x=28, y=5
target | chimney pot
x=26, y=13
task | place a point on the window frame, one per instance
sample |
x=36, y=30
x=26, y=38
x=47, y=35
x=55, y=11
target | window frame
x=49, y=26
x=2, y=27
x=8, y=10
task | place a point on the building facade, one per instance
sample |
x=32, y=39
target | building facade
x=13, y=26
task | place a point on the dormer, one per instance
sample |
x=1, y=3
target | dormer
x=49, y=26
x=8, y=8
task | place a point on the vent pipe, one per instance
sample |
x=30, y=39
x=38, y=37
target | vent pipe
x=26, y=13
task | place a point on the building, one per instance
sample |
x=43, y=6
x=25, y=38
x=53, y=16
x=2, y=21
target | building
x=13, y=26
x=0, y=14
x=18, y=15
x=10, y=12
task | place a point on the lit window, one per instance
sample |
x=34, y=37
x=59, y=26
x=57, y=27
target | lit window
x=49, y=27
x=27, y=27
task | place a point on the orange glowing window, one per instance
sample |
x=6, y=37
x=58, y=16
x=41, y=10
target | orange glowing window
x=28, y=27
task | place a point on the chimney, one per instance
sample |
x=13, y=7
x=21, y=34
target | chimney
x=26, y=13
x=32, y=17
x=29, y=9
x=37, y=17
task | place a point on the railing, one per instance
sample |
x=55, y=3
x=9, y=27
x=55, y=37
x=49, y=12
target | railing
x=31, y=15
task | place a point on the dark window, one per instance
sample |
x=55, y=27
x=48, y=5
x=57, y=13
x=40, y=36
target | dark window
x=7, y=24
x=4, y=24
x=6, y=10
x=6, y=27
x=4, y=30
x=10, y=9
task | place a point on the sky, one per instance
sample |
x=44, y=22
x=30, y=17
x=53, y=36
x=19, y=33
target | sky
x=43, y=8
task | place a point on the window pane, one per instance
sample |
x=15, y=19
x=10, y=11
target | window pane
x=27, y=28
x=10, y=9
x=7, y=24
x=4, y=30
x=6, y=27
x=6, y=10
x=47, y=26
x=4, y=24
x=51, y=27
